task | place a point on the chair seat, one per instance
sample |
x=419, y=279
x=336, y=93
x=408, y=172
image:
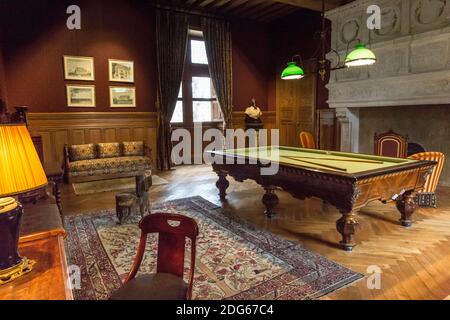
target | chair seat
x=158, y=286
x=109, y=164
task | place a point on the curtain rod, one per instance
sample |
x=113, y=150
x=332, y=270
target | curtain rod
x=188, y=11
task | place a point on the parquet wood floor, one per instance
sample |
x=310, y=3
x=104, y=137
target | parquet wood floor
x=415, y=262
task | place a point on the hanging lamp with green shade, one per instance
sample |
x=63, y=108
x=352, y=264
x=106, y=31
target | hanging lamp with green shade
x=360, y=56
x=292, y=71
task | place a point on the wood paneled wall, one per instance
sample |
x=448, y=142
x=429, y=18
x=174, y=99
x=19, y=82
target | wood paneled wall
x=268, y=118
x=58, y=129
x=296, y=107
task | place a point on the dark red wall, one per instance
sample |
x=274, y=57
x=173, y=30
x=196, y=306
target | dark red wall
x=251, y=64
x=2, y=67
x=2, y=78
x=36, y=38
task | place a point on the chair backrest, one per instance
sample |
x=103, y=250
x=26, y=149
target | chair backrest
x=391, y=144
x=307, y=140
x=433, y=179
x=172, y=230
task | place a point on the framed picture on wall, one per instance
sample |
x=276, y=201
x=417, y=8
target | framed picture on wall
x=122, y=97
x=121, y=71
x=79, y=68
x=81, y=96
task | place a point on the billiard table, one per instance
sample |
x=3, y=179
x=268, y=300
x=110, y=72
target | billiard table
x=348, y=181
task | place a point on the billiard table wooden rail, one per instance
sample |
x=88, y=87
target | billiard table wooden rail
x=348, y=192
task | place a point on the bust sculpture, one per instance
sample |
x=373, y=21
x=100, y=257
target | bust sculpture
x=253, y=116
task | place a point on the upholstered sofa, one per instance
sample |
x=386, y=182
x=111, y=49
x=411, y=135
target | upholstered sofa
x=101, y=161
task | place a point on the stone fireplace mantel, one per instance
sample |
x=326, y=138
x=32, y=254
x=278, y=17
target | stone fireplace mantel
x=413, y=59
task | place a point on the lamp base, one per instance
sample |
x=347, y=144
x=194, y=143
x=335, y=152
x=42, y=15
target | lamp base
x=12, y=265
x=10, y=274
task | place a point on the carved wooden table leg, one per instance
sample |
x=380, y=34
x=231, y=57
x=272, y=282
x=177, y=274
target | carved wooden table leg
x=57, y=193
x=406, y=204
x=222, y=184
x=55, y=180
x=347, y=226
x=270, y=200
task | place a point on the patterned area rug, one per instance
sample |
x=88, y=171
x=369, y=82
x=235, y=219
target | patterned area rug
x=121, y=184
x=234, y=260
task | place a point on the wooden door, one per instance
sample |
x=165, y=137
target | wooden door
x=296, y=105
x=327, y=129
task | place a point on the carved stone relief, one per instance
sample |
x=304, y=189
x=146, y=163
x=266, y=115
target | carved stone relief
x=412, y=42
x=428, y=11
x=413, y=60
x=350, y=31
x=390, y=22
x=429, y=14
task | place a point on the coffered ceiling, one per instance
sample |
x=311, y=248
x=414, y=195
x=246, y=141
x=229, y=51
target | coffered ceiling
x=260, y=10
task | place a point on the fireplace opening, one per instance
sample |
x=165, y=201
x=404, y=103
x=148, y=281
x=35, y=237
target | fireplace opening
x=426, y=126
x=414, y=148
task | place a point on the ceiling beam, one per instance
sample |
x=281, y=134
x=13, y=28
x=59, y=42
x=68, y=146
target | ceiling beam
x=315, y=5
x=270, y=15
x=275, y=7
x=190, y=2
x=218, y=3
x=278, y=14
x=258, y=8
x=246, y=6
x=231, y=5
x=205, y=3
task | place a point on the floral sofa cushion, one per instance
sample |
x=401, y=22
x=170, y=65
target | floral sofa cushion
x=109, y=150
x=133, y=148
x=82, y=152
x=108, y=166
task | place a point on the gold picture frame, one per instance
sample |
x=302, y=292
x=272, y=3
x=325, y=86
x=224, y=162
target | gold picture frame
x=122, y=97
x=79, y=68
x=80, y=96
x=121, y=70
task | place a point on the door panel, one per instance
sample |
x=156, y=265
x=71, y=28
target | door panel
x=296, y=104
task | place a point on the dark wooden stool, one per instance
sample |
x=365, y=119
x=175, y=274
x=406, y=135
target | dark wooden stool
x=125, y=205
x=128, y=202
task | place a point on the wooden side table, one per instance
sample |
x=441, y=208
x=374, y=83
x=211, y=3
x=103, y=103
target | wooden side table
x=55, y=178
x=42, y=240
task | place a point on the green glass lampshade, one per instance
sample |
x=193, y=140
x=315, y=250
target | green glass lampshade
x=292, y=71
x=360, y=56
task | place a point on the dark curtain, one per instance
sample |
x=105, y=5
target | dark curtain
x=217, y=35
x=171, y=41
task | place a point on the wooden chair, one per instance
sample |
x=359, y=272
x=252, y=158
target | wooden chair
x=391, y=144
x=307, y=140
x=167, y=283
x=427, y=197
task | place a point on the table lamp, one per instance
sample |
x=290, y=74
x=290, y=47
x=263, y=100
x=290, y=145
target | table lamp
x=20, y=171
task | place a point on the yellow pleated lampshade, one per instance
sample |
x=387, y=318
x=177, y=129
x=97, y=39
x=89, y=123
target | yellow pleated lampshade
x=20, y=167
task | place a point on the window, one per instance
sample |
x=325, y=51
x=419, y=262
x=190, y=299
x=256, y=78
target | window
x=198, y=52
x=177, y=116
x=197, y=101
